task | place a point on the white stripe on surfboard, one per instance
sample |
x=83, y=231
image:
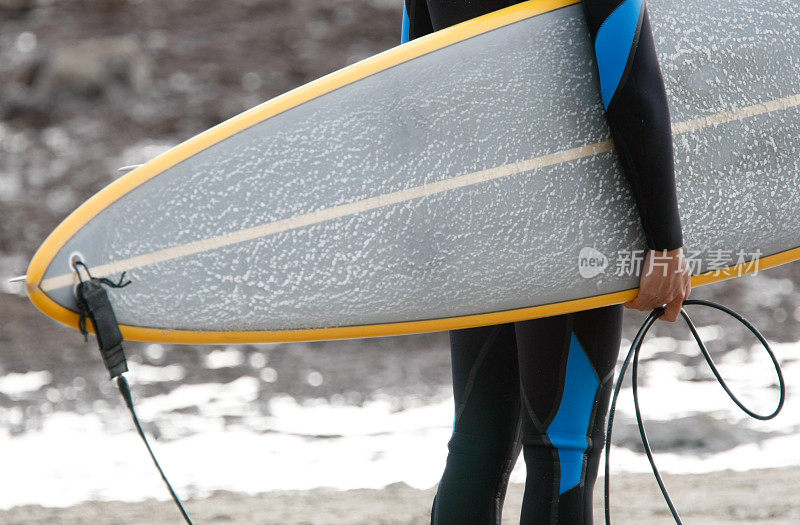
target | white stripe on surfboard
x=397, y=197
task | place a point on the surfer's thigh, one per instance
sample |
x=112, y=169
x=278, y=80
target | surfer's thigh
x=566, y=366
x=486, y=386
x=484, y=445
x=445, y=13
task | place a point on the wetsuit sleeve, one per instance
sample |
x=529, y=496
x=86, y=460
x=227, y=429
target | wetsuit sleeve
x=635, y=100
x=416, y=20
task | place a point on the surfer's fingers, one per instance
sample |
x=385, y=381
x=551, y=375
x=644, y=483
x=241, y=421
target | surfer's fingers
x=684, y=287
x=673, y=309
x=687, y=289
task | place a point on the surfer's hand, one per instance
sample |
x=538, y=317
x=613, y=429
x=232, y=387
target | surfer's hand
x=665, y=280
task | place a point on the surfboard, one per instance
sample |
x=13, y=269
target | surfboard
x=462, y=179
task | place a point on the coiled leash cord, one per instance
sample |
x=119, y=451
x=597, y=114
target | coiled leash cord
x=634, y=351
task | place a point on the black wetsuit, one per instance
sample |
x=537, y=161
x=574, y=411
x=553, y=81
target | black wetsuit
x=543, y=386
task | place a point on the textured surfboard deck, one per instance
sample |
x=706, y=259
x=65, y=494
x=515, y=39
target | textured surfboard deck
x=463, y=182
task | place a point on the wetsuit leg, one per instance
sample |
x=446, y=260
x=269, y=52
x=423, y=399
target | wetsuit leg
x=543, y=385
x=484, y=444
x=483, y=447
x=563, y=368
x=566, y=366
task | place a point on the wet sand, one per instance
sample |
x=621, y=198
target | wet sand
x=759, y=496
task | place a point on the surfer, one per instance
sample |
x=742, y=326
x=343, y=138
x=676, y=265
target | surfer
x=542, y=387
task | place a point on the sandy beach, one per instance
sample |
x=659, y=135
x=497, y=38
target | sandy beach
x=760, y=496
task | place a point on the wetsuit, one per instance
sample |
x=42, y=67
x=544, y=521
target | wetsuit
x=543, y=386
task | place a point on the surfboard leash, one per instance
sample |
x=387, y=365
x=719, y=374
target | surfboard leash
x=633, y=357
x=93, y=304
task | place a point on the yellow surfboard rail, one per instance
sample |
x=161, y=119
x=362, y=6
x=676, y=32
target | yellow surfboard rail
x=136, y=333
x=291, y=99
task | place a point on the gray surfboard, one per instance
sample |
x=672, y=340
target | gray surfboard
x=464, y=178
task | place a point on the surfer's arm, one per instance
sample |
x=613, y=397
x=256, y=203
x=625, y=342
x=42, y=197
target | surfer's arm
x=636, y=105
x=416, y=20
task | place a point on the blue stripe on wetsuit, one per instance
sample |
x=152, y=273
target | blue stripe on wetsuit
x=570, y=428
x=614, y=45
x=404, y=35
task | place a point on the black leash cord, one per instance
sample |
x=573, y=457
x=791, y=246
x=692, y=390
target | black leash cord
x=125, y=390
x=94, y=305
x=634, y=351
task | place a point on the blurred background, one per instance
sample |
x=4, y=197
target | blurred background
x=88, y=86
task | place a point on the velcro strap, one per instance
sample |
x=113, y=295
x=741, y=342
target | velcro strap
x=94, y=303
